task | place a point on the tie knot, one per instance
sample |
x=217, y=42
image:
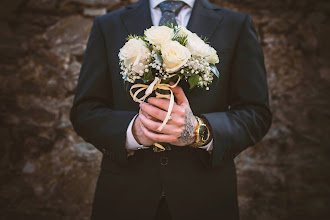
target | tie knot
x=171, y=6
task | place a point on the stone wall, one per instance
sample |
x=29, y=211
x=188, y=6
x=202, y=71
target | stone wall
x=46, y=171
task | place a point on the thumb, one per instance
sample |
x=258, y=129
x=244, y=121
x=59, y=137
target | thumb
x=179, y=94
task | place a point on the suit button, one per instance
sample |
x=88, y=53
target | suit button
x=163, y=161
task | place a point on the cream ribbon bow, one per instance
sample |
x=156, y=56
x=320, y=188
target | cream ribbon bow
x=156, y=84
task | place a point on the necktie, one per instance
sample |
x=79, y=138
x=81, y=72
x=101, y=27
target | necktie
x=169, y=10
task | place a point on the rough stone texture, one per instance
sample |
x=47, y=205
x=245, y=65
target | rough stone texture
x=94, y=12
x=47, y=172
x=97, y=2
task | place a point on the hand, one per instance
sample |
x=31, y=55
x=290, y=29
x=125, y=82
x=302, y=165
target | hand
x=138, y=133
x=179, y=130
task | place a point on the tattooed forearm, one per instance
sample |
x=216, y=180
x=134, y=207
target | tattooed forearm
x=189, y=127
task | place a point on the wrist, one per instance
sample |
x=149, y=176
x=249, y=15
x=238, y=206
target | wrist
x=193, y=134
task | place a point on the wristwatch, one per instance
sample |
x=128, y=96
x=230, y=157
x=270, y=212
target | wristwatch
x=202, y=133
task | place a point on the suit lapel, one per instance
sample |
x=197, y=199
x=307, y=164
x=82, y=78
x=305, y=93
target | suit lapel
x=204, y=19
x=137, y=17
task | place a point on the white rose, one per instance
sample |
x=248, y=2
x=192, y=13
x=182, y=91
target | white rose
x=197, y=46
x=184, y=31
x=135, y=53
x=158, y=35
x=212, y=57
x=174, y=55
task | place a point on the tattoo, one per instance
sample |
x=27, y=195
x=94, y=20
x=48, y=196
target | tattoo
x=189, y=127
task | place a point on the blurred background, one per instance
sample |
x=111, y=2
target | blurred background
x=47, y=172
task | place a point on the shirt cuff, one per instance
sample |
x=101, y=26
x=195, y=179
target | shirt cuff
x=208, y=147
x=131, y=143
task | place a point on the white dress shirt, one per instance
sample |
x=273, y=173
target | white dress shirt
x=182, y=19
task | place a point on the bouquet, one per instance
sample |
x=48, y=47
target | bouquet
x=163, y=54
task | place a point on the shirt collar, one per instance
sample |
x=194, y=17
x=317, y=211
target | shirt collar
x=154, y=3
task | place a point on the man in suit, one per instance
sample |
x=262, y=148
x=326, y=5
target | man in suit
x=190, y=180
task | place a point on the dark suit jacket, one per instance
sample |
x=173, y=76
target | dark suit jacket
x=198, y=185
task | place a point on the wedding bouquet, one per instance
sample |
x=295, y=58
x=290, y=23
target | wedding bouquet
x=166, y=53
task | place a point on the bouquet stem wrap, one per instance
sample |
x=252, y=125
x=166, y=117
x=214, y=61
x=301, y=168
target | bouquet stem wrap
x=156, y=84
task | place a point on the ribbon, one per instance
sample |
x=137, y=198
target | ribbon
x=156, y=84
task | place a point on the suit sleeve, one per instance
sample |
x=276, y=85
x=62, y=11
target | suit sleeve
x=249, y=117
x=92, y=114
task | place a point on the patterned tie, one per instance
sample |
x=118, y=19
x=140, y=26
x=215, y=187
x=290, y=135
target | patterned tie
x=169, y=10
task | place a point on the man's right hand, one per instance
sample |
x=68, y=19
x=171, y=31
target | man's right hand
x=138, y=133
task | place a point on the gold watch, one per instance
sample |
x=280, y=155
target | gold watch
x=202, y=133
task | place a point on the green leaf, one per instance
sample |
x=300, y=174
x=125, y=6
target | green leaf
x=129, y=37
x=159, y=58
x=168, y=24
x=181, y=39
x=187, y=73
x=193, y=81
x=147, y=77
x=205, y=39
x=214, y=70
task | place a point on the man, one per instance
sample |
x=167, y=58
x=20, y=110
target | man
x=193, y=179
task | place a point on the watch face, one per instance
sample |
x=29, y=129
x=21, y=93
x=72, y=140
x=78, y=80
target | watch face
x=203, y=133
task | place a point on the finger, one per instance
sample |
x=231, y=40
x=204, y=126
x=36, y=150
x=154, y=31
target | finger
x=153, y=111
x=153, y=126
x=179, y=94
x=158, y=137
x=161, y=103
x=149, y=116
x=177, y=112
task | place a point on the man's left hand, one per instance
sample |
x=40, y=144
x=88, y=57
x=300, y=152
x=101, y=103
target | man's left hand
x=179, y=130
